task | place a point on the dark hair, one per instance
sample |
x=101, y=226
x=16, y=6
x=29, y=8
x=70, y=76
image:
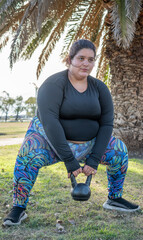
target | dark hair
x=80, y=44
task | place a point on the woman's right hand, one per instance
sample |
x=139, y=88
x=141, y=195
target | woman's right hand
x=75, y=173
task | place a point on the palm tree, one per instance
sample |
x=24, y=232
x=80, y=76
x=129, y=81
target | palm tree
x=115, y=26
x=127, y=88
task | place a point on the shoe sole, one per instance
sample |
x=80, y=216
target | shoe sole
x=109, y=207
x=10, y=223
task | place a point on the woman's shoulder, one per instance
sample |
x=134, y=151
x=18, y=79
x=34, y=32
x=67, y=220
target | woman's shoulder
x=98, y=83
x=59, y=78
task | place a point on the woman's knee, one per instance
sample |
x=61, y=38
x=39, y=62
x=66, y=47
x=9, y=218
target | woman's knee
x=32, y=142
x=116, y=144
x=121, y=146
x=116, y=152
x=120, y=149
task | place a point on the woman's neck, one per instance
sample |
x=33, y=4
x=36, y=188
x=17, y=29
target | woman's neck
x=73, y=79
x=80, y=85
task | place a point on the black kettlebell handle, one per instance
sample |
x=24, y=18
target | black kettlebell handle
x=74, y=182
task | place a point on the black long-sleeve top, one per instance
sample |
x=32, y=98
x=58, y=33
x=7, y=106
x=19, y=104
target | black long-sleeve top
x=67, y=114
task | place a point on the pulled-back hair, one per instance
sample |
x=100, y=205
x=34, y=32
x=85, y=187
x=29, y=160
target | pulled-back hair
x=80, y=44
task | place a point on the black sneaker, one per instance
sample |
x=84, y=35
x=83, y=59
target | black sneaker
x=16, y=215
x=120, y=204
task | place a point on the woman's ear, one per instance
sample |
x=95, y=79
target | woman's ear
x=68, y=61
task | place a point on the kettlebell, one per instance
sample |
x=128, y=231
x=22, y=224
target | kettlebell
x=80, y=191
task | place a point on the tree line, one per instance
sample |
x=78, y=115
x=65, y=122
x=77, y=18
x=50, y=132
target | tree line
x=16, y=106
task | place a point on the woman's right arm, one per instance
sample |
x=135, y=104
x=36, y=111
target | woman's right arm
x=49, y=100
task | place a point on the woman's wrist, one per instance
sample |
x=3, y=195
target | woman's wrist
x=72, y=166
x=92, y=161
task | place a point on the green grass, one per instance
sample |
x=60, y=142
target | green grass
x=50, y=201
x=13, y=129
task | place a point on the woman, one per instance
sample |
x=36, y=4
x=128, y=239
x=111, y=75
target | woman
x=73, y=124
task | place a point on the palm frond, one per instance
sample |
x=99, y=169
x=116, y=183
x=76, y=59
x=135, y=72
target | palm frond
x=124, y=16
x=93, y=20
x=88, y=26
x=16, y=47
x=100, y=28
x=75, y=24
x=96, y=37
x=36, y=13
x=34, y=21
x=46, y=27
x=12, y=22
x=6, y=5
x=8, y=8
x=43, y=10
x=102, y=62
x=34, y=43
x=56, y=34
x=4, y=42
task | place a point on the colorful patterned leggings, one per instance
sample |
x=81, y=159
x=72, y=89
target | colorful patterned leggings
x=36, y=152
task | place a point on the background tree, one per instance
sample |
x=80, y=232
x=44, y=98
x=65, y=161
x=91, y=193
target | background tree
x=6, y=104
x=127, y=89
x=111, y=25
x=19, y=107
x=30, y=106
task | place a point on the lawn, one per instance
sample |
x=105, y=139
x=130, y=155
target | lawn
x=51, y=209
x=13, y=129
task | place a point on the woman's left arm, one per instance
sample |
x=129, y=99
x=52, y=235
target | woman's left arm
x=105, y=126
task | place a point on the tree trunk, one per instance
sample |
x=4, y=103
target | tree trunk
x=17, y=116
x=127, y=90
x=6, y=116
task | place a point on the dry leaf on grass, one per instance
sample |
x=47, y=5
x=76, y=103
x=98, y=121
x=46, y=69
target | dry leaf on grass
x=59, y=221
x=60, y=228
x=72, y=221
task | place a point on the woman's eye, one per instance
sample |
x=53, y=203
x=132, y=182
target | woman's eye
x=81, y=58
x=91, y=60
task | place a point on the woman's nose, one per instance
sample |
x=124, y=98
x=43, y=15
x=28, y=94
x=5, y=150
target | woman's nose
x=85, y=63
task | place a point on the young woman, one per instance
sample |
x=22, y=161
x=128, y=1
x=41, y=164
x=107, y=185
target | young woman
x=73, y=124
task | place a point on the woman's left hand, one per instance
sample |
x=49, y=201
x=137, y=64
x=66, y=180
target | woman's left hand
x=75, y=173
x=87, y=170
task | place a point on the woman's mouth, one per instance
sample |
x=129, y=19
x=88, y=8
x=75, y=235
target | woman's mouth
x=84, y=69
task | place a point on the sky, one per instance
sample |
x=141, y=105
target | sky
x=21, y=79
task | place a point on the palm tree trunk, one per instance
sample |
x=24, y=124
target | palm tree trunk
x=127, y=90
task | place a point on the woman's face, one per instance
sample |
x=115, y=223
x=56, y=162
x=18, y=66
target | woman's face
x=82, y=63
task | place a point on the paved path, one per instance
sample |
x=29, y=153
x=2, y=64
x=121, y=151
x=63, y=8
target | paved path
x=10, y=141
